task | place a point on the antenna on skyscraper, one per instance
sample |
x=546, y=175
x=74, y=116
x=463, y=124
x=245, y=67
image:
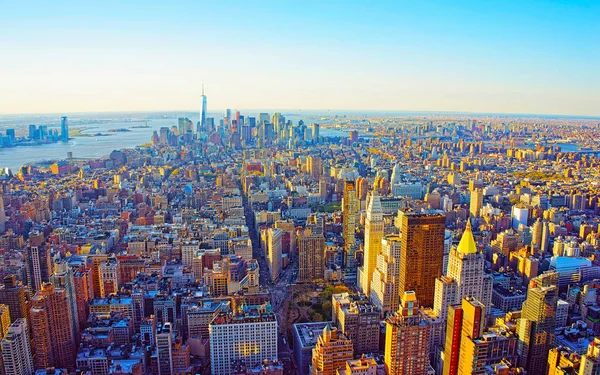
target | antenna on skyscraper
x=203, y=89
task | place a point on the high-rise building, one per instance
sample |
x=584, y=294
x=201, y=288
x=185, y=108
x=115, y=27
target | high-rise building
x=384, y=286
x=538, y=320
x=465, y=320
x=40, y=265
x=202, y=122
x=64, y=128
x=83, y=286
x=311, y=256
x=16, y=351
x=468, y=350
x=314, y=166
x=476, y=202
x=465, y=276
x=63, y=278
x=250, y=335
x=349, y=210
x=358, y=319
x=109, y=272
x=164, y=341
x=590, y=361
x=422, y=256
x=332, y=351
x=407, y=339
x=274, y=238
x=15, y=296
x=4, y=320
x=2, y=215
x=374, y=227
x=52, y=329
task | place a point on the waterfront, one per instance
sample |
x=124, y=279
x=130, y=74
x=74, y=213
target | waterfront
x=96, y=147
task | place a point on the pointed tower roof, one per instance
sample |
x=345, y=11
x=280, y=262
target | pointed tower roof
x=467, y=243
x=375, y=204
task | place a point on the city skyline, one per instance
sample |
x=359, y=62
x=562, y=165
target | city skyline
x=533, y=58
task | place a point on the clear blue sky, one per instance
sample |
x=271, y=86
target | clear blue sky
x=479, y=56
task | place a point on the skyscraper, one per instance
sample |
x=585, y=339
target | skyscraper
x=64, y=128
x=384, y=286
x=465, y=320
x=63, y=278
x=52, y=329
x=359, y=319
x=537, y=323
x=2, y=214
x=4, y=320
x=407, y=339
x=40, y=265
x=465, y=276
x=349, y=210
x=422, y=255
x=332, y=351
x=16, y=352
x=202, y=122
x=374, y=227
x=311, y=256
x=476, y=202
x=315, y=166
x=15, y=296
x=274, y=238
x=164, y=341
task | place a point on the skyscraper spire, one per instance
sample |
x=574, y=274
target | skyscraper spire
x=202, y=88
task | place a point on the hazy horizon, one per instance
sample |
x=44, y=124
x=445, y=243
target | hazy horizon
x=535, y=57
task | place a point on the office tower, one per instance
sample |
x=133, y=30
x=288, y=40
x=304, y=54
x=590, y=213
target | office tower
x=2, y=215
x=63, y=278
x=590, y=361
x=315, y=166
x=545, y=237
x=4, y=320
x=202, y=123
x=164, y=341
x=83, y=286
x=315, y=133
x=16, y=351
x=349, y=210
x=311, y=256
x=465, y=276
x=93, y=262
x=537, y=323
x=15, y=296
x=332, y=351
x=476, y=202
x=384, y=286
x=274, y=237
x=407, y=339
x=109, y=277
x=358, y=319
x=422, y=256
x=250, y=335
x=537, y=229
x=52, y=329
x=64, y=128
x=40, y=265
x=374, y=227
x=465, y=320
x=32, y=132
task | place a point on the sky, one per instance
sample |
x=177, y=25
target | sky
x=538, y=57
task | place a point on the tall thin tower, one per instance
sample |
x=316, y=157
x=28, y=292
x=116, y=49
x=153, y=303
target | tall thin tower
x=2, y=214
x=202, y=124
x=374, y=228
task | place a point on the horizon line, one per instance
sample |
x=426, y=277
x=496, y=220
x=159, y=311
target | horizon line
x=432, y=112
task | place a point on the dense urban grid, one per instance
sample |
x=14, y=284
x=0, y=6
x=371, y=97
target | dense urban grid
x=250, y=244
